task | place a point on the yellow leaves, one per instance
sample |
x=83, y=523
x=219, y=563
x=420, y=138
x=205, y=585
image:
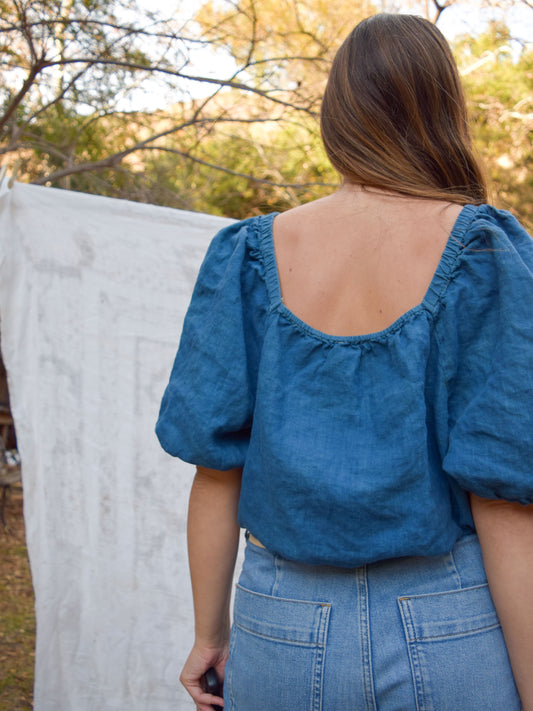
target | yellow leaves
x=294, y=34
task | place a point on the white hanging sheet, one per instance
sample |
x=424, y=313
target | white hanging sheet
x=93, y=292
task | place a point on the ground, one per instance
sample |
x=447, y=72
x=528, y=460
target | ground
x=17, y=619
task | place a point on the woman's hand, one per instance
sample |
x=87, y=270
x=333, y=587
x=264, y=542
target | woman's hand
x=199, y=661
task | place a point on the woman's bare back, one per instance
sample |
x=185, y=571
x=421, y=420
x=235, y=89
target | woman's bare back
x=354, y=262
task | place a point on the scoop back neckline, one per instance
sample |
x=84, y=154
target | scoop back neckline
x=432, y=297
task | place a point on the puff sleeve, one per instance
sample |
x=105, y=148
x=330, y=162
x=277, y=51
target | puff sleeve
x=206, y=411
x=486, y=328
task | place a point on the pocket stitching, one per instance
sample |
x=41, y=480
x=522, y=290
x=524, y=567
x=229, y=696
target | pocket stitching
x=440, y=593
x=283, y=640
x=283, y=599
x=318, y=670
x=415, y=664
x=423, y=630
x=306, y=630
x=417, y=639
x=456, y=635
x=317, y=630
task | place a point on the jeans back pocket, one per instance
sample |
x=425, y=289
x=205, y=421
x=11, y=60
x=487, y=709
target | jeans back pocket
x=457, y=653
x=277, y=653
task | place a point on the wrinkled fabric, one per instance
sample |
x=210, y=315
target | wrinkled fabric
x=357, y=449
x=93, y=292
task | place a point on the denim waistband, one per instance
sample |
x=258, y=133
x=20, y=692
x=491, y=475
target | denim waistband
x=461, y=567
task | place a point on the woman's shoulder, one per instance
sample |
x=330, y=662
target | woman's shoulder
x=252, y=238
x=306, y=214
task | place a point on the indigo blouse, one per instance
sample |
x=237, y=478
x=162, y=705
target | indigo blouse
x=361, y=448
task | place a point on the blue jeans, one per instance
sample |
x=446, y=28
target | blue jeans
x=410, y=634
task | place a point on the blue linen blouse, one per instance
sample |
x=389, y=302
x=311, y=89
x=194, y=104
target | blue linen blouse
x=362, y=448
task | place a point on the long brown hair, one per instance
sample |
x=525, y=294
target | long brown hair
x=394, y=115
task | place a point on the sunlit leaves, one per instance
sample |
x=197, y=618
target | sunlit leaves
x=215, y=112
x=499, y=81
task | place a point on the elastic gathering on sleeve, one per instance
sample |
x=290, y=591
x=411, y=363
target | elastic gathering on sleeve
x=206, y=411
x=486, y=328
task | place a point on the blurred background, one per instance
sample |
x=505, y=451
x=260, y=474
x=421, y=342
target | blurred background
x=212, y=106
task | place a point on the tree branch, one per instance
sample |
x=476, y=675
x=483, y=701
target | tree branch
x=235, y=173
x=187, y=77
x=440, y=9
x=114, y=160
x=35, y=69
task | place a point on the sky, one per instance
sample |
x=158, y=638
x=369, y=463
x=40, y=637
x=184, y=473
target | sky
x=466, y=17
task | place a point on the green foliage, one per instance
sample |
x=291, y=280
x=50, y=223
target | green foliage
x=244, y=169
x=69, y=70
x=498, y=78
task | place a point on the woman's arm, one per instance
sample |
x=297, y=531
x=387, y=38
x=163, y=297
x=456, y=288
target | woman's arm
x=505, y=532
x=213, y=537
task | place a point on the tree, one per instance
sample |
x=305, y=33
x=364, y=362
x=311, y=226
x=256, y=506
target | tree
x=262, y=151
x=499, y=83
x=74, y=72
x=78, y=80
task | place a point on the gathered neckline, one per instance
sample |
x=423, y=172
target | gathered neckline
x=429, y=303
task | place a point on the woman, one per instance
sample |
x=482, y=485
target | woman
x=355, y=384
